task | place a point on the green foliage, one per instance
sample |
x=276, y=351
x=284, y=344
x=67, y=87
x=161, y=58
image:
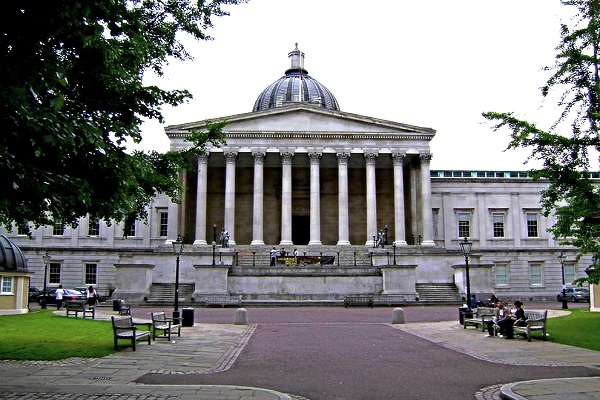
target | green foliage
x=565, y=152
x=41, y=335
x=72, y=95
x=580, y=328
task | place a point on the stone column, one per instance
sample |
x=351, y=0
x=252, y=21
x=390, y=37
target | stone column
x=343, y=221
x=257, y=209
x=286, y=198
x=426, y=212
x=370, y=159
x=229, y=221
x=399, y=219
x=201, y=193
x=315, y=198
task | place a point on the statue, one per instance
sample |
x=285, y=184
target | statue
x=224, y=238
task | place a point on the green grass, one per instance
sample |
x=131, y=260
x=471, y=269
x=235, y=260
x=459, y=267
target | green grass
x=580, y=329
x=41, y=335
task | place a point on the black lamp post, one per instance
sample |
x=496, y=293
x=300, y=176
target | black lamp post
x=465, y=245
x=214, y=233
x=214, y=245
x=562, y=258
x=374, y=241
x=177, y=248
x=394, y=247
x=46, y=257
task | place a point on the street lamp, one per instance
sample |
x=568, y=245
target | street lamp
x=394, y=247
x=562, y=258
x=46, y=257
x=465, y=245
x=214, y=245
x=177, y=248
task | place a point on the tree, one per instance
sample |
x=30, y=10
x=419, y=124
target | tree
x=565, y=152
x=72, y=96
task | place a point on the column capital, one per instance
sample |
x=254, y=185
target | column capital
x=398, y=158
x=425, y=158
x=343, y=157
x=315, y=157
x=230, y=156
x=203, y=158
x=286, y=157
x=259, y=157
x=371, y=157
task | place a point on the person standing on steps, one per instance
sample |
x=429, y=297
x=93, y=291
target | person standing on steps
x=273, y=256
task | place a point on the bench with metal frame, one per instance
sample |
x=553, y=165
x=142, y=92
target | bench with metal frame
x=161, y=323
x=125, y=329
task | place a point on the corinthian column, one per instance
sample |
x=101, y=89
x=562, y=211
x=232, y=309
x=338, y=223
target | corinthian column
x=286, y=198
x=257, y=209
x=426, y=212
x=370, y=159
x=201, y=193
x=315, y=199
x=229, y=221
x=343, y=224
x=399, y=226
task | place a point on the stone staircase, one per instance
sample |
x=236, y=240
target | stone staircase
x=438, y=293
x=164, y=293
x=258, y=256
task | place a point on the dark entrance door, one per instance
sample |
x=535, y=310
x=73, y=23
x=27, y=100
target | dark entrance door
x=300, y=229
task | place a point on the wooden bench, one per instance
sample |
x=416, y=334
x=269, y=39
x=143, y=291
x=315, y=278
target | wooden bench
x=124, y=309
x=480, y=316
x=124, y=328
x=536, y=321
x=74, y=307
x=390, y=299
x=223, y=300
x=161, y=323
x=357, y=301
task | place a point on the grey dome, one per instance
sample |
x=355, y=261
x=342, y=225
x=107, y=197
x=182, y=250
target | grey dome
x=11, y=256
x=296, y=86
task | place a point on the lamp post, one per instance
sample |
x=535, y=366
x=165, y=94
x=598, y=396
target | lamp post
x=46, y=257
x=562, y=258
x=374, y=241
x=214, y=245
x=465, y=245
x=177, y=248
x=394, y=247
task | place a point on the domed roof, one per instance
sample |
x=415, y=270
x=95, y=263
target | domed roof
x=11, y=256
x=296, y=86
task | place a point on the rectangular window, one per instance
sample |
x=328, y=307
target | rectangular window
x=498, y=225
x=532, y=225
x=91, y=274
x=163, y=223
x=93, y=227
x=54, y=273
x=7, y=285
x=501, y=274
x=23, y=229
x=58, y=229
x=535, y=274
x=464, y=225
x=436, y=217
x=129, y=228
x=570, y=273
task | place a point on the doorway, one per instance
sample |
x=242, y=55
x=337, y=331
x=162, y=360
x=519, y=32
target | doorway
x=300, y=229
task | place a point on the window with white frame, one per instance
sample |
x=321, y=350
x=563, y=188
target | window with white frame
x=58, y=229
x=536, y=277
x=570, y=273
x=54, y=273
x=532, y=224
x=7, y=285
x=91, y=274
x=501, y=274
x=129, y=227
x=163, y=224
x=464, y=224
x=498, y=224
x=93, y=227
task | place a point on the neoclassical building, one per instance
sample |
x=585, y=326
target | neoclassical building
x=297, y=172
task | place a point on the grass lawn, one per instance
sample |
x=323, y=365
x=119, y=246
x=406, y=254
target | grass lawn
x=41, y=335
x=580, y=328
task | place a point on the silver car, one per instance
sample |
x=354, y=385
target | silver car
x=575, y=294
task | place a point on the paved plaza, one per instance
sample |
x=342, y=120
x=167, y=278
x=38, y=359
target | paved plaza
x=316, y=354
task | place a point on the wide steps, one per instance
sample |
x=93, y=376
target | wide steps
x=443, y=293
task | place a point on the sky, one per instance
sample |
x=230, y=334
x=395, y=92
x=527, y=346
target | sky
x=431, y=63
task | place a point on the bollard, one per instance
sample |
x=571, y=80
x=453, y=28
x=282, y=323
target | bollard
x=241, y=316
x=398, y=316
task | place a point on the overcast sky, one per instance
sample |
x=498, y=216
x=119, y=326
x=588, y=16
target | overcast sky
x=431, y=63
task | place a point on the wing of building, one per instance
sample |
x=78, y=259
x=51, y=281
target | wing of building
x=353, y=194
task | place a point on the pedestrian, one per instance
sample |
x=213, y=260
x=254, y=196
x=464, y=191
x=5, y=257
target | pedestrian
x=59, y=297
x=499, y=313
x=517, y=318
x=91, y=295
x=273, y=256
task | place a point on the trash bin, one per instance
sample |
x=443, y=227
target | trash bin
x=116, y=305
x=187, y=317
x=461, y=314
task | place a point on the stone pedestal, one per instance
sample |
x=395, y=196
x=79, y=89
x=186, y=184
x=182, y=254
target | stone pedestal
x=133, y=281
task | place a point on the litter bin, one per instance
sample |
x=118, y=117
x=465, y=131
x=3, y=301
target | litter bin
x=116, y=305
x=187, y=317
x=462, y=311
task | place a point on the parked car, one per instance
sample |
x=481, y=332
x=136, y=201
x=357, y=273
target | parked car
x=34, y=293
x=83, y=289
x=70, y=294
x=575, y=294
